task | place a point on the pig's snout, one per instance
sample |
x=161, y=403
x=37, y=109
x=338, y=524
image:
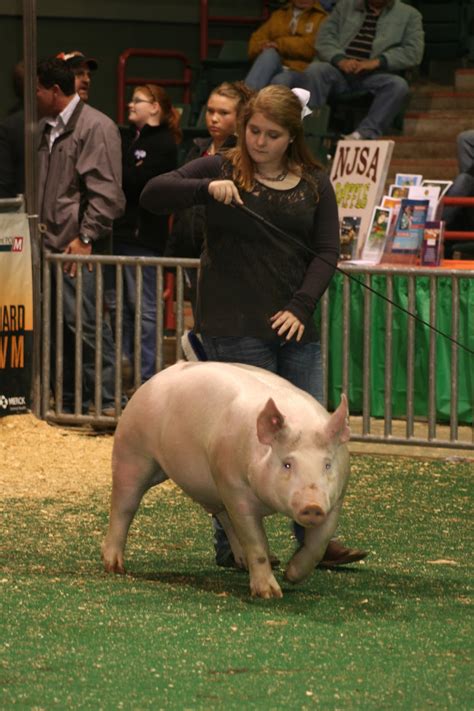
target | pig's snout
x=311, y=515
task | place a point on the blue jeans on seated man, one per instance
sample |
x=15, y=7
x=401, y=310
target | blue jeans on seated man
x=88, y=344
x=390, y=93
x=148, y=320
x=299, y=364
x=267, y=69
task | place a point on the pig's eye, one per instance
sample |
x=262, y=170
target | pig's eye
x=327, y=466
x=287, y=465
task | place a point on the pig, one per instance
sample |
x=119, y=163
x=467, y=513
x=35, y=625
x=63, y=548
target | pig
x=242, y=442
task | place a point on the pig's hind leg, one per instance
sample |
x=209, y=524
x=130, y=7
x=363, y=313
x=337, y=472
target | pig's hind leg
x=133, y=475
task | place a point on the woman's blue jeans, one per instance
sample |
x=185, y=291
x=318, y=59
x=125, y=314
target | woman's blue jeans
x=297, y=363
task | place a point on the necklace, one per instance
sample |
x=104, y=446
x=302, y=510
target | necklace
x=277, y=179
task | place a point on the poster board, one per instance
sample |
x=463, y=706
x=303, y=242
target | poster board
x=16, y=313
x=358, y=175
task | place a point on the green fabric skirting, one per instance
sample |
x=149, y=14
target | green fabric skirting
x=400, y=320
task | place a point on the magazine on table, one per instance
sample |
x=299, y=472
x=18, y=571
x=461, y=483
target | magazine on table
x=403, y=179
x=374, y=244
x=443, y=185
x=404, y=247
x=433, y=242
x=393, y=202
x=426, y=192
x=349, y=231
x=398, y=191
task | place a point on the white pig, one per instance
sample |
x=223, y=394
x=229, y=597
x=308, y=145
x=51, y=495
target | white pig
x=242, y=442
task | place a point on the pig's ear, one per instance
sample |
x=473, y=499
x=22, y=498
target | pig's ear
x=337, y=429
x=270, y=421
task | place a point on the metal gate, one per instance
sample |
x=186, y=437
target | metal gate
x=350, y=318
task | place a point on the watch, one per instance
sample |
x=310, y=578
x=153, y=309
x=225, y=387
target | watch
x=84, y=239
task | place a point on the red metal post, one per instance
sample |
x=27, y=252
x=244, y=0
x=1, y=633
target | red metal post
x=456, y=234
x=123, y=80
x=168, y=297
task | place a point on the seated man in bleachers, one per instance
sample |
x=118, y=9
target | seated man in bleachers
x=284, y=42
x=463, y=184
x=456, y=216
x=361, y=47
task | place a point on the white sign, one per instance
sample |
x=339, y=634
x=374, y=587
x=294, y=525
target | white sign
x=358, y=175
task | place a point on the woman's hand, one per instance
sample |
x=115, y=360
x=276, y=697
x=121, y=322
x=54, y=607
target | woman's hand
x=224, y=191
x=288, y=323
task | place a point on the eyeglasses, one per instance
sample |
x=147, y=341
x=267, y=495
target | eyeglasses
x=140, y=101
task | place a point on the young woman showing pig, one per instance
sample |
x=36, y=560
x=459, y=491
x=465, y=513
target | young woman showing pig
x=257, y=290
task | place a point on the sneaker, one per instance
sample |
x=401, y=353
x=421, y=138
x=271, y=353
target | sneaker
x=354, y=136
x=192, y=346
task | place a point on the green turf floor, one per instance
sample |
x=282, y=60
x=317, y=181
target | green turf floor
x=393, y=632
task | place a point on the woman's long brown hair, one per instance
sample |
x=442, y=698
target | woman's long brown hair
x=280, y=105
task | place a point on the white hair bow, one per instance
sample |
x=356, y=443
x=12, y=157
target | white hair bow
x=303, y=95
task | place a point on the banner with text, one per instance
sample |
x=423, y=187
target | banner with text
x=16, y=314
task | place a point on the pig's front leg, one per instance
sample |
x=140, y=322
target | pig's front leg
x=305, y=559
x=133, y=475
x=248, y=527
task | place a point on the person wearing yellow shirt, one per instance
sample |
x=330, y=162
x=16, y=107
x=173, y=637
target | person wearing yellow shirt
x=284, y=43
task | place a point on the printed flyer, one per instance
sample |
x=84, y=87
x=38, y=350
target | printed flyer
x=409, y=231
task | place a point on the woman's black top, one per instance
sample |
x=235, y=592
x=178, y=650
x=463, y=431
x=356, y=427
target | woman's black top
x=248, y=270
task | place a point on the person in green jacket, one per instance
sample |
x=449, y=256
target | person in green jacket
x=363, y=46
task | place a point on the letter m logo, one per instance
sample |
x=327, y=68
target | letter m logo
x=17, y=244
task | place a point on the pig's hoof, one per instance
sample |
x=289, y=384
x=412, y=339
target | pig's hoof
x=113, y=564
x=294, y=574
x=266, y=589
x=114, y=567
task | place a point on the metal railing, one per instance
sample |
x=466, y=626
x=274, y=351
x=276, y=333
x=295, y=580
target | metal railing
x=53, y=363
x=458, y=235
x=426, y=429
x=423, y=429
